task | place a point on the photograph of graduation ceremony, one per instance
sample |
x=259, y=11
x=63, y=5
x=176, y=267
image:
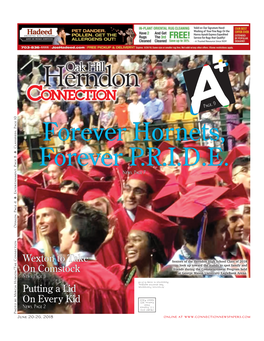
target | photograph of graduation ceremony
x=85, y=231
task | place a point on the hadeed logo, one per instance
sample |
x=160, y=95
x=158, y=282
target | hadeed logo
x=37, y=34
x=39, y=31
x=209, y=87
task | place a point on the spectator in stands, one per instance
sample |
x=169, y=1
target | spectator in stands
x=112, y=60
x=160, y=83
x=192, y=65
x=36, y=78
x=70, y=108
x=144, y=96
x=153, y=114
x=78, y=120
x=153, y=66
x=180, y=100
x=59, y=121
x=232, y=120
x=168, y=96
x=95, y=121
x=170, y=62
x=107, y=114
x=129, y=65
x=86, y=108
x=20, y=121
x=31, y=122
x=180, y=69
x=245, y=105
x=121, y=117
x=136, y=110
x=247, y=80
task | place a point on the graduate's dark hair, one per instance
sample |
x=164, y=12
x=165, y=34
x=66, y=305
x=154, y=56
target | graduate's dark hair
x=75, y=186
x=244, y=87
x=57, y=103
x=47, y=281
x=241, y=161
x=191, y=235
x=154, y=243
x=149, y=190
x=29, y=203
x=116, y=150
x=91, y=225
x=80, y=139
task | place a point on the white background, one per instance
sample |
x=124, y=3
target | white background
x=213, y=296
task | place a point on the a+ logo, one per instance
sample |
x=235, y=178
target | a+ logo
x=221, y=65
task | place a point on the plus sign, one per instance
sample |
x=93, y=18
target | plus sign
x=220, y=65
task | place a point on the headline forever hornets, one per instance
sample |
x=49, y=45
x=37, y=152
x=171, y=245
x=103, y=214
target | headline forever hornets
x=109, y=159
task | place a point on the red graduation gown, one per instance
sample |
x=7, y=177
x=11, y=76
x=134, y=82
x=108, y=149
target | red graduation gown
x=24, y=244
x=113, y=252
x=243, y=252
x=118, y=270
x=25, y=241
x=101, y=292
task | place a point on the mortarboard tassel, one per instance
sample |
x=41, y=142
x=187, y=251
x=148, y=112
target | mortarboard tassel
x=44, y=181
x=34, y=226
x=201, y=234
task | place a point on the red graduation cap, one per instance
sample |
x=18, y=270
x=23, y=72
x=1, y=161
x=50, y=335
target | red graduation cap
x=90, y=190
x=204, y=152
x=114, y=143
x=154, y=178
x=61, y=202
x=101, y=171
x=205, y=174
x=54, y=187
x=228, y=204
x=225, y=172
x=189, y=143
x=59, y=160
x=23, y=156
x=27, y=187
x=75, y=175
x=40, y=177
x=240, y=132
x=240, y=196
x=157, y=224
x=164, y=150
x=190, y=206
x=168, y=194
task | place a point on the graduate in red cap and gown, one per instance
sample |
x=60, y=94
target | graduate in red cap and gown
x=52, y=209
x=99, y=290
x=235, y=249
x=95, y=194
x=24, y=242
x=54, y=170
x=166, y=158
x=149, y=246
x=72, y=179
x=142, y=185
x=26, y=188
x=204, y=223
